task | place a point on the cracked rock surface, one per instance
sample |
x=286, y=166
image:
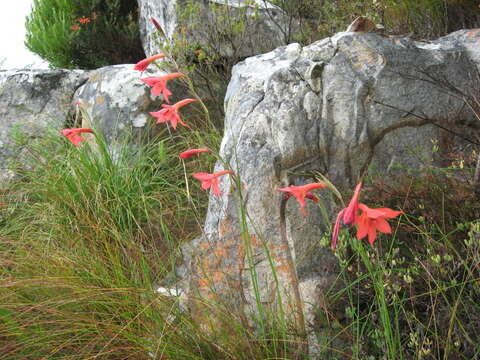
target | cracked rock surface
x=33, y=100
x=338, y=106
x=265, y=29
x=113, y=97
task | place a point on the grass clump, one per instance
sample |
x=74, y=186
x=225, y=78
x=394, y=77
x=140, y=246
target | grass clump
x=85, y=236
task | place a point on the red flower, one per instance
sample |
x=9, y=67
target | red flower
x=142, y=65
x=170, y=113
x=372, y=220
x=83, y=20
x=211, y=180
x=349, y=215
x=302, y=192
x=73, y=134
x=74, y=27
x=159, y=84
x=192, y=152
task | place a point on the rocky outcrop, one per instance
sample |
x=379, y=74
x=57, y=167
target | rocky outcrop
x=33, y=100
x=341, y=106
x=114, y=100
x=209, y=25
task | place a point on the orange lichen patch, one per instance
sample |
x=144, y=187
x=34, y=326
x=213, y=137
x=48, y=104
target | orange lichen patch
x=100, y=100
x=230, y=242
x=254, y=241
x=225, y=227
x=206, y=264
x=202, y=283
x=204, y=245
x=220, y=253
x=217, y=277
x=211, y=296
x=241, y=249
x=283, y=268
x=473, y=33
x=283, y=247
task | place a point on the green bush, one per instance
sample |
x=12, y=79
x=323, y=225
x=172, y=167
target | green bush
x=84, y=34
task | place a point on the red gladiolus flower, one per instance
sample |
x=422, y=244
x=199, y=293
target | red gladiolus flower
x=211, y=180
x=73, y=134
x=302, y=192
x=192, y=152
x=372, y=220
x=83, y=20
x=349, y=215
x=142, y=65
x=74, y=27
x=159, y=84
x=170, y=113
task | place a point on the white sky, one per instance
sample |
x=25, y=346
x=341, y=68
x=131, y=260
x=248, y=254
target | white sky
x=12, y=36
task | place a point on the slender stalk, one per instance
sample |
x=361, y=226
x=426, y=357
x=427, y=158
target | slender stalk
x=299, y=317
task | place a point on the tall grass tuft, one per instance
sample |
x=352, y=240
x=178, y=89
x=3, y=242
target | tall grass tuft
x=86, y=235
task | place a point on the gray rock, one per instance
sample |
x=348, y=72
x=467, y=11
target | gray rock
x=114, y=100
x=33, y=100
x=265, y=27
x=339, y=106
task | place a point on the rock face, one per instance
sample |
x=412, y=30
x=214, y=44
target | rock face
x=339, y=106
x=114, y=99
x=265, y=25
x=33, y=100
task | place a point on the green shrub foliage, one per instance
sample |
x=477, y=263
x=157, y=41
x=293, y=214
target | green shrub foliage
x=422, y=19
x=84, y=34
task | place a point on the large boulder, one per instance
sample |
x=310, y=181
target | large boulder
x=111, y=99
x=32, y=100
x=210, y=24
x=340, y=106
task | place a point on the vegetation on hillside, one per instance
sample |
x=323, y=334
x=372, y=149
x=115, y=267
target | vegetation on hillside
x=84, y=34
x=88, y=237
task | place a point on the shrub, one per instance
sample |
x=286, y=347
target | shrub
x=424, y=18
x=84, y=34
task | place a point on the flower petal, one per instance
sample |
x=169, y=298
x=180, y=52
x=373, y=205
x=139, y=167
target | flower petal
x=215, y=188
x=206, y=184
x=313, y=198
x=363, y=226
x=143, y=64
x=372, y=235
x=202, y=176
x=389, y=213
x=383, y=226
x=371, y=213
x=352, y=208
x=192, y=152
x=336, y=229
x=182, y=103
